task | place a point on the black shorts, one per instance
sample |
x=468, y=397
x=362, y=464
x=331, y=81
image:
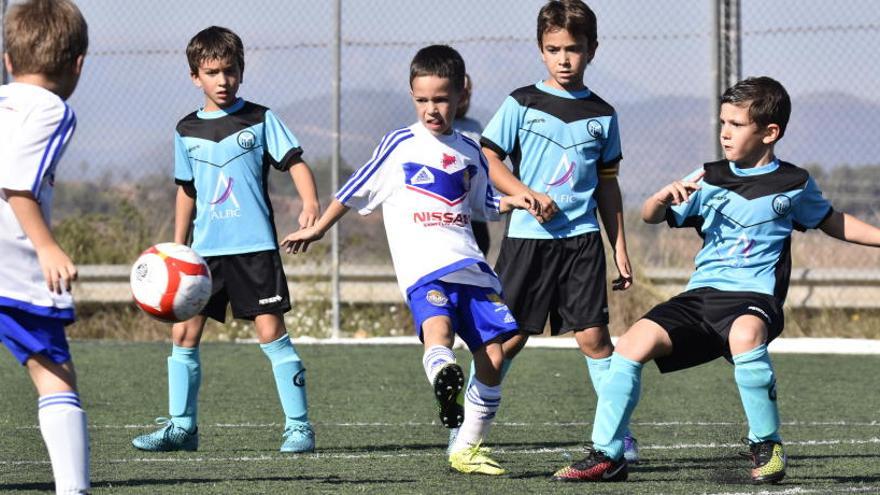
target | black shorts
x=563, y=279
x=698, y=323
x=253, y=283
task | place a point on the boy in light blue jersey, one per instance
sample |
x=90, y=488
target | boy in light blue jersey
x=563, y=141
x=223, y=155
x=745, y=208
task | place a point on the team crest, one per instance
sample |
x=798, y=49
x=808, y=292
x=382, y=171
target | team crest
x=595, y=129
x=246, y=139
x=447, y=161
x=782, y=205
x=436, y=298
x=495, y=299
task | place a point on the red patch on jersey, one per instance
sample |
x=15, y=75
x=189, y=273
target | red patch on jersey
x=448, y=161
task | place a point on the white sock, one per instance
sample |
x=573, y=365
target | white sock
x=480, y=404
x=63, y=425
x=435, y=358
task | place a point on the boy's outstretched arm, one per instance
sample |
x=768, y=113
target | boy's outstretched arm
x=184, y=206
x=507, y=183
x=848, y=228
x=676, y=193
x=58, y=269
x=522, y=201
x=610, y=205
x=303, y=237
x=304, y=181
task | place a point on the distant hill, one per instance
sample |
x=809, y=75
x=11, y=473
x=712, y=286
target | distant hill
x=663, y=138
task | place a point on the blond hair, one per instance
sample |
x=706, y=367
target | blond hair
x=44, y=36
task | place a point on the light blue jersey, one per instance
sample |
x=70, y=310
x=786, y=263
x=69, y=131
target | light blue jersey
x=746, y=217
x=226, y=156
x=560, y=143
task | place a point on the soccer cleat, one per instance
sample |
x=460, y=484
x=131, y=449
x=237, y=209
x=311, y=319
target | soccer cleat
x=475, y=460
x=447, y=390
x=453, y=432
x=631, y=449
x=169, y=438
x=768, y=459
x=596, y=466
x=298, y=438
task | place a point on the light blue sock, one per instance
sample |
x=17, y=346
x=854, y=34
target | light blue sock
x=598, y=370
x=290, y=378
x=756, y=381
x=505, y=365
x=618, y=396
x=184, y=378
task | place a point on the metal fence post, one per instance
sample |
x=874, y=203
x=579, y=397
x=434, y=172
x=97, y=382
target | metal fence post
x=4, y=77
x=727, y=62
x=334, y=162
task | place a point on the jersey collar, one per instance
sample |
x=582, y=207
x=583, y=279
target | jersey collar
x=746, y=172
x=216, y=114
x=571, y=95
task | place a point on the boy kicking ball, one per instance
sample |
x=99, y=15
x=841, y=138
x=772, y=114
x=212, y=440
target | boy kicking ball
x=429, y=179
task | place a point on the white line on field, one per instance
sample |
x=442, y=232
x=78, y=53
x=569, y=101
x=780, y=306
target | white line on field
x=405, y=454
x=803, y=491
x=509, y=424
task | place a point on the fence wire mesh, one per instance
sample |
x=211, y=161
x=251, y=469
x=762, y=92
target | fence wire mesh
x=654, y=64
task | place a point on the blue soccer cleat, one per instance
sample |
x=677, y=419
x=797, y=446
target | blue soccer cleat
x=169, y=438
x=298, y=438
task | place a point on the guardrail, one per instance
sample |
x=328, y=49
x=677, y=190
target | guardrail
x=809, y=288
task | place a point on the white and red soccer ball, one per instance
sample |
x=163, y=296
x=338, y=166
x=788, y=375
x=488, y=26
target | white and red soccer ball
x=171, y=282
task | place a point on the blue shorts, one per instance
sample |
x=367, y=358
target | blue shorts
x=26, y=334
x=478, y=314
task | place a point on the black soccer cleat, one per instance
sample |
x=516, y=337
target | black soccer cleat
x=448, y=385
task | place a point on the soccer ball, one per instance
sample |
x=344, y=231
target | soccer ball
x=170, y=282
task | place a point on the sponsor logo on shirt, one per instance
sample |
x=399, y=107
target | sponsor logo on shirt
x=535, y=121
x=781, y=205
x=508, y=318
x=436, y=298
x=223, y=193
x=193, y=148
x=595, y=128
x=441, y=218
x=423, y=176
x=246, y=139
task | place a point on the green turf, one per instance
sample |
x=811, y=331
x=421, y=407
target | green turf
x=376, y=430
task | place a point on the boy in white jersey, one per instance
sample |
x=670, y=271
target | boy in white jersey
x=45, y=42
x=430, y=179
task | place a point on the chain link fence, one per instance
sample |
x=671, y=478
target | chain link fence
x=654, y=64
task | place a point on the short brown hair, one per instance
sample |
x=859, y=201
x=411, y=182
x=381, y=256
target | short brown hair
x=572, y=15
x=214, y=43
x=441, y=61
x=767, y=98
x=45, y=36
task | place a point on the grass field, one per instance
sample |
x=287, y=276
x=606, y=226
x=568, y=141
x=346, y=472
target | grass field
x=376, y=430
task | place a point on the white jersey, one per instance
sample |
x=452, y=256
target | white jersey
x=35, y=126
x=429, y=187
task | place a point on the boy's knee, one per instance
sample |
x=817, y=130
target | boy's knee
x=747, y=333
x=594, y=342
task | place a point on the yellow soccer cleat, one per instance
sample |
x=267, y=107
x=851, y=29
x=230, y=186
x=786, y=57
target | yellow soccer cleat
x=768, y=461
x=475, y=460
